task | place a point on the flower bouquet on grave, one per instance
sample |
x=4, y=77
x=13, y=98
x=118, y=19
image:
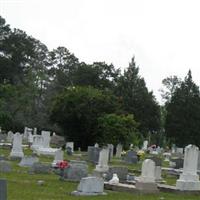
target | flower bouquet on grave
x=62, y=165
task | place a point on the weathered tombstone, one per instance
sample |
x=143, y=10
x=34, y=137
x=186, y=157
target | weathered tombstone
x=10, y=136
x=47, y=138
x=103, y=161
x=28, y=161
x=111, y=149
x=179, y=150
x=96, y=145
x=40, y=168
x=76, y=170
x=90, y=186
x=37, y=142
x=17, y=151
x=58, y=157
x=71, y=145
x=122, y=173
x=176, y=163
x=118, y=151
x=93, y=154
x=57, y=140
x=5, y=166
x=35, y=131
x=189, y=180
x=3, y=189
x=146, y=182
x=167, y=156
x=131, y=157
x=145, y=145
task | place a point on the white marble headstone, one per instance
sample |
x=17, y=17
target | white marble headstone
x=17, y=150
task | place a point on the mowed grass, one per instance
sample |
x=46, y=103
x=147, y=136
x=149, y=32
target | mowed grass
x=23, y=186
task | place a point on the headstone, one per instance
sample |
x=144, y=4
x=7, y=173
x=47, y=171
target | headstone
x=189, y=180
x=145, y=145
x=111, y=150
x=103, y=160
x=122, y=172
x=58, y=157
x=76, y=170
x=57, y=140
x=30, y=138
x=157, y=160
x=146, y=182
x=131, y=157
x=167, y=156
x=40, y=168
x=47, y=138
x=179, y=150
x=90, y=186
x=38, y=141
x=10, y=136
x=93, y=154
x=35, y=131
x=96, y=145
x=118, y=151
x=17, y=146
x=176, y=163
x=71, y=145
x=28, y=161
x=5, y=167
x=3, y=189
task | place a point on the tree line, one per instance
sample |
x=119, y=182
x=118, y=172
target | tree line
x=87, y=103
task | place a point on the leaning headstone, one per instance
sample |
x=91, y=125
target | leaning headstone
x=131, y=157
x=3, y=189
x=58, y=157
x=122, y=173
x=90, y=186
x=17, y=151
x=76, y=170
x=146, y=182
x=5, y=166
x=189, y=180
x=119, y=151
x=28, y=161
x=103, y=161
x=93, y=154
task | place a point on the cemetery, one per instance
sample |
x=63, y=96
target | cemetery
x=100, y=172
x=91, y=127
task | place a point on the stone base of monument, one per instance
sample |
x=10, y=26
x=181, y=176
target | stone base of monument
x=78, y=193
x=46, y=151
x=146, y=187
x=16, y=155
x=188, y=185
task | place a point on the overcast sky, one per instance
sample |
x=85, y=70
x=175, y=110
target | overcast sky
x=164, y=35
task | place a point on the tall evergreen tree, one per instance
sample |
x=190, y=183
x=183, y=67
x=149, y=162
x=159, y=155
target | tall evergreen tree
x=137, y=100
x=183, y=113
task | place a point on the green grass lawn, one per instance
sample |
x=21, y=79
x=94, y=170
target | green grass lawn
x=23, y=186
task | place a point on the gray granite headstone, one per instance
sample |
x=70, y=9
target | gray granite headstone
x=3, y=189
x=5, y=166
x=121, y=172
x=90, y=186
x=93, y=154
x=28, y=161
x=40, y=168
x=131, y=157
x=76, y=170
